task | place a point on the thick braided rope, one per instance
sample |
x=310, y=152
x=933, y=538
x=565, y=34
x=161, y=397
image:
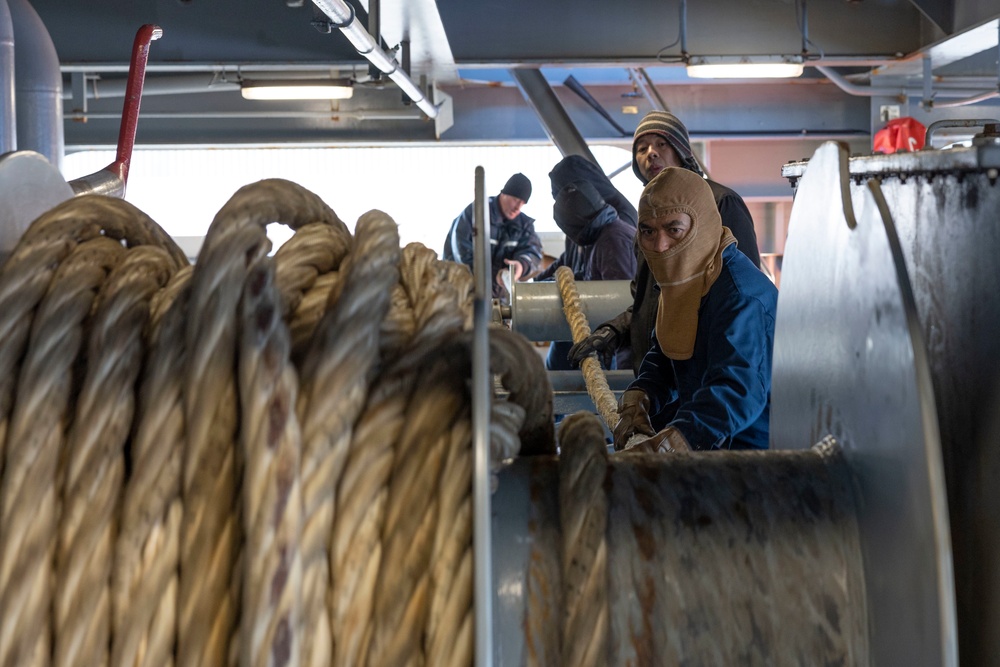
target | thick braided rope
x=335, y=379
x=398, y=326
x=583, y=516
x=437, y=305
x=26, y=273
x=402, y=591
x=437, y=311
x=314, y=250
x=29, y=499
x=95, y=455
x=23, y=282
x=308, y=313
x=450, y=621
x=356, y=550
x=145, y=577
x=271, y=614
x=522, y=373
x=210, y=540
x=593, y=375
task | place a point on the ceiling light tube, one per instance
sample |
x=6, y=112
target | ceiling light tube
x=744, y=67
x=297, y=89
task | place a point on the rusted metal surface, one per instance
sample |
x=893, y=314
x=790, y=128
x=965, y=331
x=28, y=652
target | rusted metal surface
x=713, y=558
x=849, y=361
x=734, y=558
x=950, y=240
x=944, y=207
x=953, y=161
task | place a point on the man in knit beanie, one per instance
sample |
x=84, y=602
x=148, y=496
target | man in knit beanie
x=661, y=140
x=514, y=245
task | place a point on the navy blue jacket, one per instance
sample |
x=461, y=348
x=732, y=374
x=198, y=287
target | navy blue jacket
x=636, y=323
x=720, y=398
x=509, y=239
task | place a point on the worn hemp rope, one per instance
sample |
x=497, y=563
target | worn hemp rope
x=94, y=463
x=145, y=578
x=583, y=516
x=253, y=460
x=210, y=589
x=48, y=286
x=336, y=375
x=593, y=374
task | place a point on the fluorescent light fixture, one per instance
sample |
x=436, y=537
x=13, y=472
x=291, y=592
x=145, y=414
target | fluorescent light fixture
x=297, y=89
x=744, y=67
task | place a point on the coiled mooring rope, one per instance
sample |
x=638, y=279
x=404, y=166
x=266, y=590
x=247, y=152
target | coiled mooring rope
x=253, y=460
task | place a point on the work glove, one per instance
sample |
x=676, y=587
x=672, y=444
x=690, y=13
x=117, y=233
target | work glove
x=666, y=441
x=603, y=341
x=633, y=417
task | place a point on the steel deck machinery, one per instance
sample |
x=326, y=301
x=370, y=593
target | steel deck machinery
x=864, y=536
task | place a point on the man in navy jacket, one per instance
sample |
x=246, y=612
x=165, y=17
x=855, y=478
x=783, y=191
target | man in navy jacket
x=513, y=241
x=705, y=382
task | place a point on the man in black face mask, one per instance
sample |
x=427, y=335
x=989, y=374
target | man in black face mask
x=606, y=249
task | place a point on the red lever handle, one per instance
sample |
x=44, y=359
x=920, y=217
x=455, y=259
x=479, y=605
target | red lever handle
x=133, y=95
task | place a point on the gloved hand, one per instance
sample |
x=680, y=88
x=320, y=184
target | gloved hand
x=603, y=341
x=633, y=413
x=666, y=441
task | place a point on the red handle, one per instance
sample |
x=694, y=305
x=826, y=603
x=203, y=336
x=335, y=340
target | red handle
x=133, y=95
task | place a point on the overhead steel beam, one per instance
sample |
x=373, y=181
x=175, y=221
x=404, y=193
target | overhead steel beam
x=940, y=12
x=956, y=47
x=550, y=111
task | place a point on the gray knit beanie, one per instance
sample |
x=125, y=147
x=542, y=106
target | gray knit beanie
x=670, y=128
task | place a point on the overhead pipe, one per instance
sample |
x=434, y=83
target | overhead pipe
x=982, y=97
x=8, y=119
x=893, y=91
x=38, y=85
x=342, y=15
x=179, y=84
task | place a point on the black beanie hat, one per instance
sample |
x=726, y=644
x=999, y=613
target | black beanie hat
x=672, y=129
x=518, y=186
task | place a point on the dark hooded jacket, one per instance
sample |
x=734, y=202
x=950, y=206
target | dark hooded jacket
x=604, y=249
x=577, y=168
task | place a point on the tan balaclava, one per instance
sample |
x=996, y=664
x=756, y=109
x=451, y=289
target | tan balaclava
x=685, y=272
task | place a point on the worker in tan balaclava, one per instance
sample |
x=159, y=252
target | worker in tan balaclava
x=706, y=381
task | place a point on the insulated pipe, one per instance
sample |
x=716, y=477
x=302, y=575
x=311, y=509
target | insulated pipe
x=38, y=85
x=975, y=98
x=891, y=91
x=181, y=84
x=343, y=18
x=8, y=119
x=550, y=111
